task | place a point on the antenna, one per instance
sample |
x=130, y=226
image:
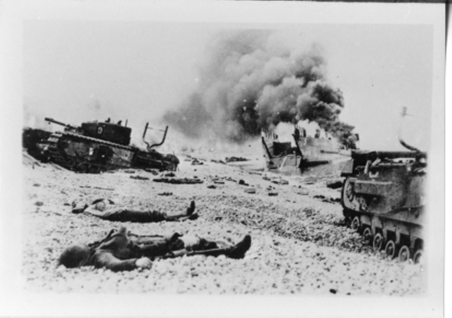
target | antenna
x=404, y=112
x=402, y=142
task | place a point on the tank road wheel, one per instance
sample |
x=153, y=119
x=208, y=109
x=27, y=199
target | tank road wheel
x=417, y=258
x=367, y=235
x=378, y=242
x=349, y=190
x=347, y=221
x=94, y=169
x=83, y=168
x=391, y=249
x=70, y=163
x=356, y=224
x=404, y=253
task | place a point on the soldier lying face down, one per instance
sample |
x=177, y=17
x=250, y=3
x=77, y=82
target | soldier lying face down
x=121, y=251
x=107, y=209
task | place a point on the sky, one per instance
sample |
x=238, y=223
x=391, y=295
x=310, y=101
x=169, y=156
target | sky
x=81, y=70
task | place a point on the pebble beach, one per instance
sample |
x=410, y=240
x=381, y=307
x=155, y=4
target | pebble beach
x=300, y=244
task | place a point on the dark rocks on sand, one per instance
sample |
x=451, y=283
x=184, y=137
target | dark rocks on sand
x=242, y=182
x=334, y=184
x=179, y=180
x=139, y=178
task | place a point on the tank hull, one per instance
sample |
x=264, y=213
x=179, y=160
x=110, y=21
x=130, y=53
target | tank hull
x=86, y=154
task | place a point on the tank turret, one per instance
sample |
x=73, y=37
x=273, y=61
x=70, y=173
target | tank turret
x=101, y=130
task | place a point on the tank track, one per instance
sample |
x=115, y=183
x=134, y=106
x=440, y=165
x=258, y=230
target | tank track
x=387, y=232
x=52, y=151
x=81, y=165
x=395, y=228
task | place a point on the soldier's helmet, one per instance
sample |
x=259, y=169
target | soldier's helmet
x=75, y=256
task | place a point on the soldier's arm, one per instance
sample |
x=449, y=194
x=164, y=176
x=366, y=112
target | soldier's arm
x=109, y=213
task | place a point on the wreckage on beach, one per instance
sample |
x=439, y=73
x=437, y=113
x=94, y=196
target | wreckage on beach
x=309, y=151
x=95, y=147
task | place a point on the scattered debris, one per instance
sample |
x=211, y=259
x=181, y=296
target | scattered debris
x=334, y=184
x=100, y=188
x=196, y=162
x=235, y=159
x=255, y=173
x=165, y=193
x=280, y=181
x=153, y=171
x=218, y=161
x=139, y=178
x=327, y=200
x=179, y=180
x=242, y=182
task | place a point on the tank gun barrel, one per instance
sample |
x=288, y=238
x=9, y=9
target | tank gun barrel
x=51, y=120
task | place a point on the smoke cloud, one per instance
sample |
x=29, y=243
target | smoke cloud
x=250, y=82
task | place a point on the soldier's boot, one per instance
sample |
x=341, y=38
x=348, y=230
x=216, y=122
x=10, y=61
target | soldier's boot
x=239, y=250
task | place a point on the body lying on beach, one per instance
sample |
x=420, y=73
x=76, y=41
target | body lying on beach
x=123, y=251
x=107, y=209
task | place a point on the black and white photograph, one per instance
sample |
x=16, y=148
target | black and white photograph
x=223, y=158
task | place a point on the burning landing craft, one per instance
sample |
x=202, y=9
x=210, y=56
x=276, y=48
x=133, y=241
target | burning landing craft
x=95, y=147
x=309, y=151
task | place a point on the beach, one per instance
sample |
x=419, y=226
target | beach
x=300, y=244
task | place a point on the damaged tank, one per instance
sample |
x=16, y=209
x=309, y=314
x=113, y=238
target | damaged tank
x=383, y=199
x=95, y=147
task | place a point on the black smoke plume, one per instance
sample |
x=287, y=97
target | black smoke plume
x=249, y=82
